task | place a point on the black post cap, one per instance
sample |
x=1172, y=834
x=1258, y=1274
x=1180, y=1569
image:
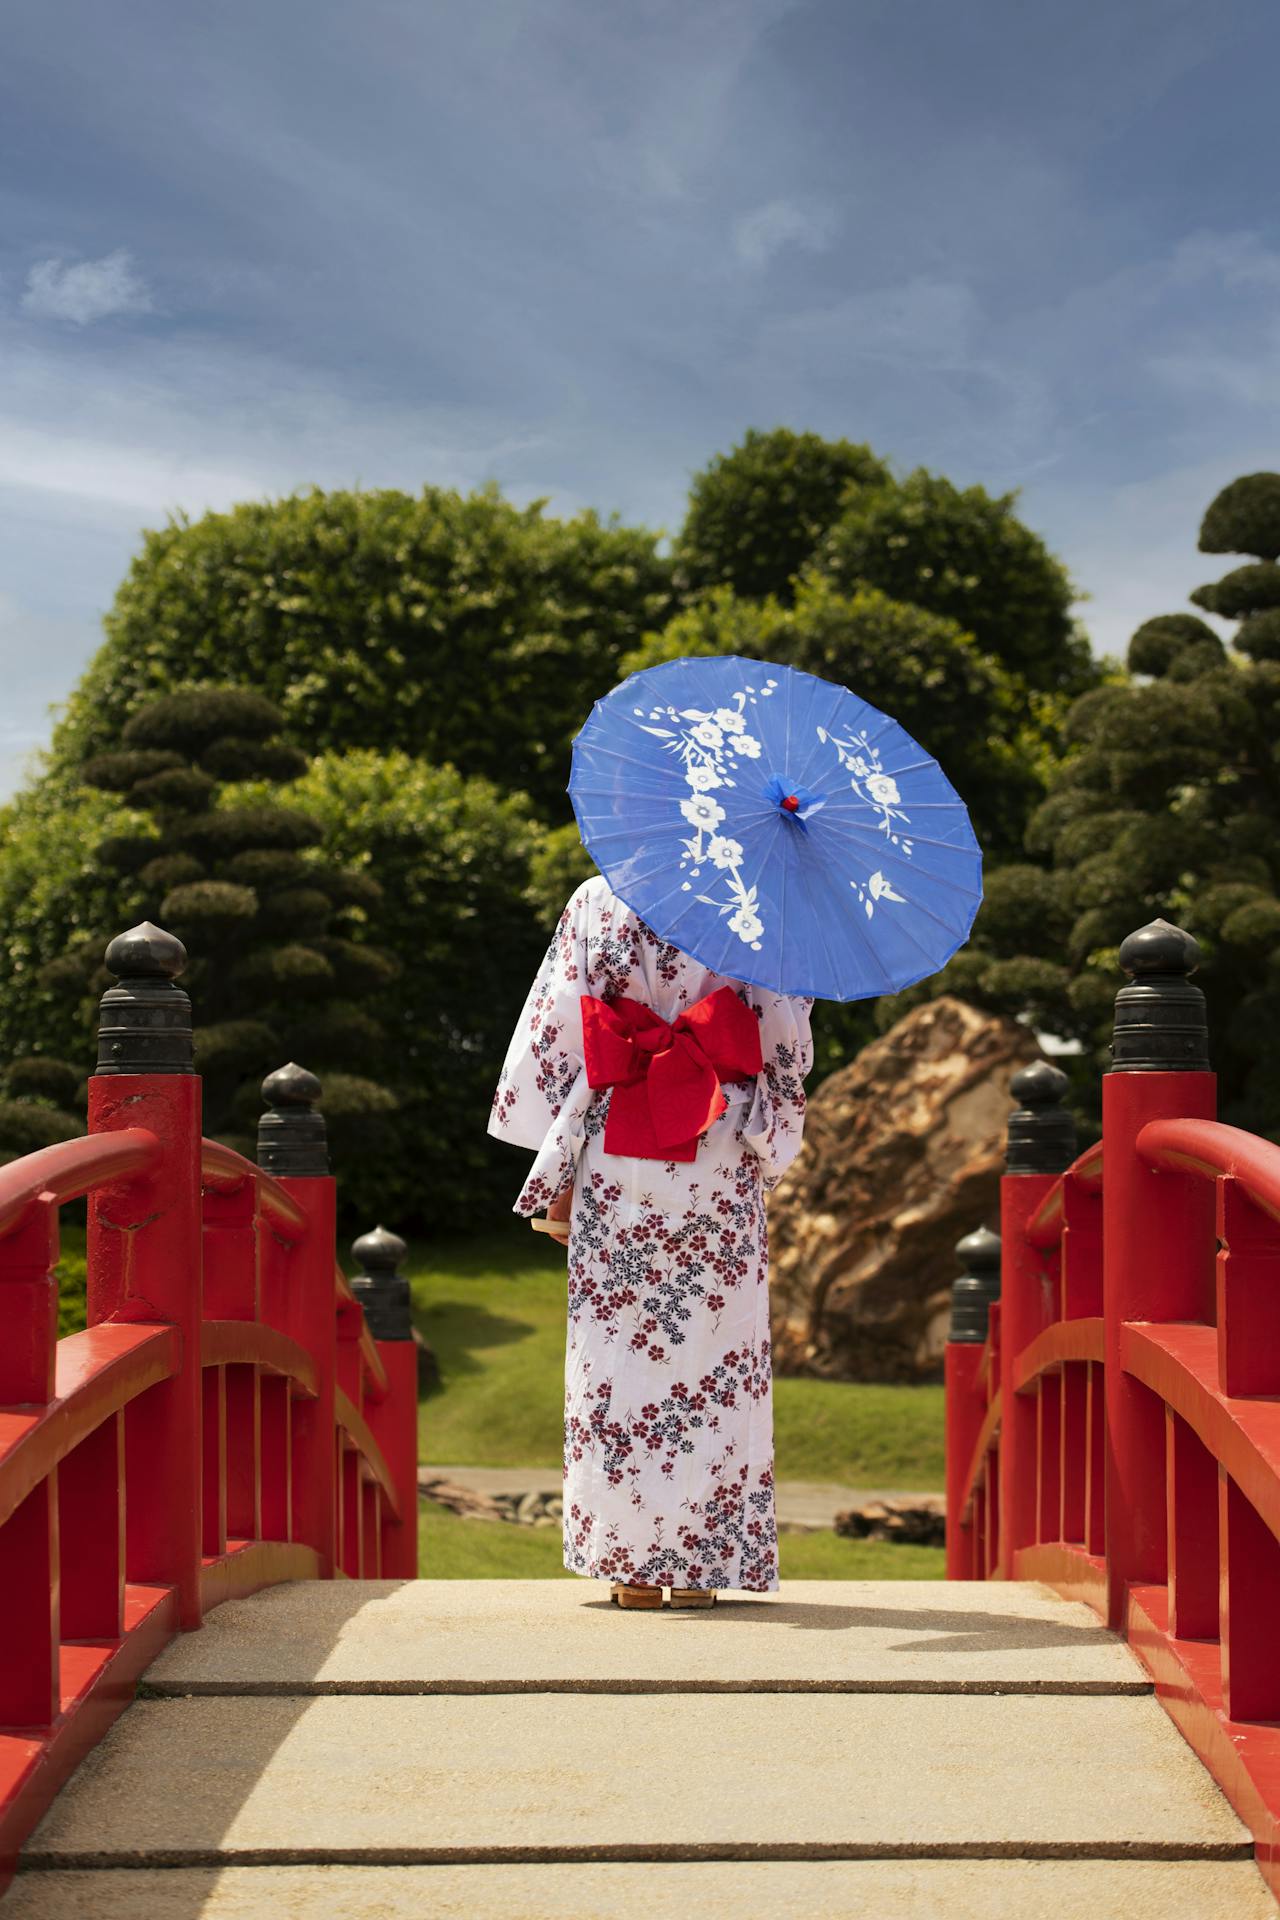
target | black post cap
x=144, y=1021
x=1160, y=1025
x=1042, y=1134
x=978, y=1285
x=292, y=1139
x=380, y=1287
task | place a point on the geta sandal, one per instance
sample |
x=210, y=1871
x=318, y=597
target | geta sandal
x=640, y=1599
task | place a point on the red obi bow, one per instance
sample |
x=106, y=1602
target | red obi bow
x=667, y=1078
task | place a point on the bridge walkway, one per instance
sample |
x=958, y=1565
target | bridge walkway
x=518, y=1748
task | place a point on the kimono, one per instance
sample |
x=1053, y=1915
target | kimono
x=668, y=1414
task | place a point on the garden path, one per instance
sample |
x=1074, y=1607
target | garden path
x=520, y=1748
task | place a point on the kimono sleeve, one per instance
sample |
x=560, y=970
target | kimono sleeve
x=774, y=1127
x=542, y=1091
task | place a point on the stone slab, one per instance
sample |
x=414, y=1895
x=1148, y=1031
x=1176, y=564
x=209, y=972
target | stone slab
x=766, y=1890
x=416, y=1779
x=535, y=1635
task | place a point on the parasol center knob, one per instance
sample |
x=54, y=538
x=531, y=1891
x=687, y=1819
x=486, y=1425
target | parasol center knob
x=792, y=803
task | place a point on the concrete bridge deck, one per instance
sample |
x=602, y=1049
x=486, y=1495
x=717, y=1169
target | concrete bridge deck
x=519, y=1748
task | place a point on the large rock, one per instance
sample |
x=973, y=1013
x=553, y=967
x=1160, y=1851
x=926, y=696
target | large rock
x=902, y=1156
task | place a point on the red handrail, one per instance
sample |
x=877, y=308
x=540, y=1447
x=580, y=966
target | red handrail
x=71, y=1169
x=1046, y=1225
x=223, y=1170
x=1210, y=1149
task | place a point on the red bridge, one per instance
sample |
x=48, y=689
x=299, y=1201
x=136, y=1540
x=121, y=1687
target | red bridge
x=237, y=1425
x=1113, y=1379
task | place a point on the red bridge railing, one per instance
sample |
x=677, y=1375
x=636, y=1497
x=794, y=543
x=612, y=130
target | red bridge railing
x=1113, y=1416
x=235, y=1413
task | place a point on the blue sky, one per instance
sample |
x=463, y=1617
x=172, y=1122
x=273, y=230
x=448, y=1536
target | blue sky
x=577, y=246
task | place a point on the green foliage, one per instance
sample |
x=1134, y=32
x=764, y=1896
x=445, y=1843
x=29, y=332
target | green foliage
x=55, y=897
x=964, y=554
x=41, y=1103
x=757, y=515
x=38, y=1077
x=1162, y=645
x=1245, y=518
x=453, y=857
x=449, y=628
x=261, y=949
x=71, y=1277
x=559, y=865
x=1251, y=589
x=26, y=1125
x=195, y=720
x=1167, y=804
x=1259, y=635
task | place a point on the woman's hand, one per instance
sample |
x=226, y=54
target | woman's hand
x=560, y=1209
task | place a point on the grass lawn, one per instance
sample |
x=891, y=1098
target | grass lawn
x=454, y=1549
x=493, y=1309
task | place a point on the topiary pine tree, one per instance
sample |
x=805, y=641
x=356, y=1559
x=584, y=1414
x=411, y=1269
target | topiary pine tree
x=273, y=974
x=1168, y=804
x=41, y=1102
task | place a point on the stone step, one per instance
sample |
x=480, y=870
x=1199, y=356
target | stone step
x=413, y=1780
x=765, y=1890
x=509, y=1636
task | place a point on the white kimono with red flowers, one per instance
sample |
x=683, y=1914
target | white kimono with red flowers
x=668, y=1454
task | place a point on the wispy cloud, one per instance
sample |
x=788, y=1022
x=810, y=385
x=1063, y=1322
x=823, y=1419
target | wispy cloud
x=760, y=234
x=86, y=290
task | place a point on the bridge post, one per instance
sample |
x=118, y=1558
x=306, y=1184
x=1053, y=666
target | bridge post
x=972, y=1297
x=1041, y=1145
x=293, y=1148
x=145, y=1251
x=1158, y=1234
x=383, y=1292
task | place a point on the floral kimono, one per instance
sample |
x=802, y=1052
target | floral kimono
x=668, y=1426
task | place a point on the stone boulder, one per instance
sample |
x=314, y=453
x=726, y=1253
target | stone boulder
x=902, y=1156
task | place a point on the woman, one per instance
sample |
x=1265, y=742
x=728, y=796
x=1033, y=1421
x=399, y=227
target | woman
x=662, y=1102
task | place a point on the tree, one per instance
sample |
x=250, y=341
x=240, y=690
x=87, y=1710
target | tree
x=757, y=515
x=272, y=971
x=41, y=1100
x=1168, y=804
x=964, y=554
x=456, y=629
x=453, y=857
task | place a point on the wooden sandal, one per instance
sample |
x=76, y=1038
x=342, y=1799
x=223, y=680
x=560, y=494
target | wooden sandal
x=641, y=1599
x=693, y=1596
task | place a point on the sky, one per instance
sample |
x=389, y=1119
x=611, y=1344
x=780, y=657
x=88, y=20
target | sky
x=577, y=247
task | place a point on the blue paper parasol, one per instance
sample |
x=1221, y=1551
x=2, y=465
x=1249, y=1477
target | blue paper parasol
x=776, y=827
